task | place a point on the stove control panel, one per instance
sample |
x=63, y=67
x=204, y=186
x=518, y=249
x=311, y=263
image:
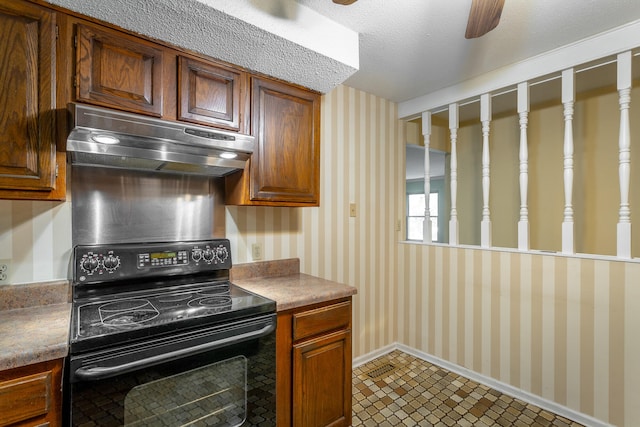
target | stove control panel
x=210, y=254
x=101, y=263
x=162, y=259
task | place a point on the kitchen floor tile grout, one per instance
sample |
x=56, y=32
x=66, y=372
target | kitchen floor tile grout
x=398, y=389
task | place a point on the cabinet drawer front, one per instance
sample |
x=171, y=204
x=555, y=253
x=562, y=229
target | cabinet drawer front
x=321, y=319
x=24, y=398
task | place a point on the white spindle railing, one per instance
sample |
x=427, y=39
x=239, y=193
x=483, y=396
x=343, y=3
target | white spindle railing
x=568, y=99
x=485, y=118
x=624, y=160
x=624, y=85
x=426, y=133
x=523, y=112
x=453, y=128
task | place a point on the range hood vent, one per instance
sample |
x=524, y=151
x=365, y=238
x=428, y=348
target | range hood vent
x=109, y=138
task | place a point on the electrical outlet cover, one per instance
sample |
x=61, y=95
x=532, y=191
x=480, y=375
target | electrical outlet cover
x=5, y=267
x=256, y=251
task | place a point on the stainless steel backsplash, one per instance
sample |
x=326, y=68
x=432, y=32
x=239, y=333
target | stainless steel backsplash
x=116, y=206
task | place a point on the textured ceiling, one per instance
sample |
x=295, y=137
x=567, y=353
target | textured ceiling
x=407, y=48
x=410, y=48
x=279, y=38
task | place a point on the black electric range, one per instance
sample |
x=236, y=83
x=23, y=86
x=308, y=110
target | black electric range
x=160, y=336
x=135, y=291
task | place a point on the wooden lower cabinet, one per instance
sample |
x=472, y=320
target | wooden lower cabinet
x=314, y=365
x=32, y=395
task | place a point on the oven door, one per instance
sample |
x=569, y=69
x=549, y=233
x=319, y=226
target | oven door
x=221, y=376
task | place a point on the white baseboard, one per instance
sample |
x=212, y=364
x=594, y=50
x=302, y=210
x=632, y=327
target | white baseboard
x=361, y=360
x=489, y=382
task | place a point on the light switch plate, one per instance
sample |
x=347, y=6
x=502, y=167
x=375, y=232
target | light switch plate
x=352, y=210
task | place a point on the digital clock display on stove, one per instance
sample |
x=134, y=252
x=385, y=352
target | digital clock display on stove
x=162, y=255
x=162, y=259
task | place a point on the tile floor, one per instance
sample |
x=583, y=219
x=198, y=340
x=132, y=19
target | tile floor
x=398, y=389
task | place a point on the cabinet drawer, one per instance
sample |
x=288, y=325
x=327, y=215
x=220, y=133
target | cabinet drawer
x=313, y=322
x=24, y=398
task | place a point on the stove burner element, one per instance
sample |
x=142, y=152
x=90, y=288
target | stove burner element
x=128, y=312
x=211, y=301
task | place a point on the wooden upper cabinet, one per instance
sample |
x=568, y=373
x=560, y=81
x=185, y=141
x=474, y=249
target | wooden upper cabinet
x=285, y=166
x=286, y=163
x=212, y=95
x=120, y=71
x=27, y=99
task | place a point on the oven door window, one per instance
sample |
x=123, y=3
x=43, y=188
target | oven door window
x=212, y=395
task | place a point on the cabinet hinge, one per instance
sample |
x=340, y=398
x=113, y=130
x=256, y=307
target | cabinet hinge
x=75, y=41
x=57, y=32
x=75, y=81
x=56, y=170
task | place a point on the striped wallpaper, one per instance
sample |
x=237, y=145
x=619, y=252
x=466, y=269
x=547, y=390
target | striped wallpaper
x=562, y=328
x=362, y=163
x=35, y=238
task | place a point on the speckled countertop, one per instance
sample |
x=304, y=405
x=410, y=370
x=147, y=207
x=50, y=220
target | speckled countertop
x=34, y=323
x=282, y=282
x=34, y=318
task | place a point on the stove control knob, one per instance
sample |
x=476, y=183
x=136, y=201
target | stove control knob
x=221, y=254
x=89, y=264
x=196, y=255
x=111, y=262
x=207, y=254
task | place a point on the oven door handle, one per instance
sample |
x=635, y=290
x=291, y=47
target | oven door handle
x=94, y=373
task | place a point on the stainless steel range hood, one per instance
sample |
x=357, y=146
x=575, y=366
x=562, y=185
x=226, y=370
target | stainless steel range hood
x=109, y=138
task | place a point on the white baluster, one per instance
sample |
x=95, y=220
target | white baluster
x=523, y=112
x=485, y=118
x=568, y=99
x=426, y=133
x=453, y=128
x=624, y=161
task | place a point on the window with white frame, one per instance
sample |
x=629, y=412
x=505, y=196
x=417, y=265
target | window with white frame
x=415, y=216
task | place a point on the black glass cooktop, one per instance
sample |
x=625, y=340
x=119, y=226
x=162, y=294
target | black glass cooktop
x=124, y=317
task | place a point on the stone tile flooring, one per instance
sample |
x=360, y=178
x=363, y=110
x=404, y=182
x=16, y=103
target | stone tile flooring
x=398, y=389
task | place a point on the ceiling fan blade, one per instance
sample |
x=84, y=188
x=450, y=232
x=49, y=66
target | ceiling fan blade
x=344, y=2
x=483, y=17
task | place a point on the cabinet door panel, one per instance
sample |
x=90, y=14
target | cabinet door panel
x=285, y=165
x=322, y=381
x=210, y=95
x=117, y=71
x=27, y=97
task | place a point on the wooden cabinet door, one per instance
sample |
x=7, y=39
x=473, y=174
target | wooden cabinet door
x=116, y=70
x=285, y=166
x=27, y=97
x=211, y=95
x=322, y=381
